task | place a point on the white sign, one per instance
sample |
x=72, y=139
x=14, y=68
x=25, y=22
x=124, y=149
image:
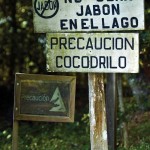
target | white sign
x=93, y=52
x=88, y=15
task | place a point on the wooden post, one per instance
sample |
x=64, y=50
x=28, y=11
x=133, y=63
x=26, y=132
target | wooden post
x=98, y=128
x=15, y=135
x=111, y=110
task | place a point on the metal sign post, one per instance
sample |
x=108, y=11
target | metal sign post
x=111, y=110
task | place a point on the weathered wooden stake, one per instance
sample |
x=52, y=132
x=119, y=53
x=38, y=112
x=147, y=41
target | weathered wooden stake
x=15, y=135
x=111, y=110
x=98, y=128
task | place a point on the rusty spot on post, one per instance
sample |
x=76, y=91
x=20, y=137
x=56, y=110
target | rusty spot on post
x=98, y=129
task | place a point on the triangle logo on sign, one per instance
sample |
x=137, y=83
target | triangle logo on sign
x=58, y=102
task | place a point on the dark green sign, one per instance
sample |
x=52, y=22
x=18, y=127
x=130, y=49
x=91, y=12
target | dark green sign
x=44, y=97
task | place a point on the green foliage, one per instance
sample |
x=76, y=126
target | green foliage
x=50, y=136
x=138, y=125
x=6, y=139
x=141, y=146
x=21, y=50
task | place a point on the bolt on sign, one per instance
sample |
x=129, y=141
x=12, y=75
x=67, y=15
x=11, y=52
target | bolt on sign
x=84, y=15
x=44, y=98
x=93, y=52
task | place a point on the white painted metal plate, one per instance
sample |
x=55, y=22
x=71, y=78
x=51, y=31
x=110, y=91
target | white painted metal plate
x=87, y=15
x=93, y=52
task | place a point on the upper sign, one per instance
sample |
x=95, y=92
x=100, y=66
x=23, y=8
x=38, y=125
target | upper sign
x=93, y=52
x=44, y=98
x=84, y=15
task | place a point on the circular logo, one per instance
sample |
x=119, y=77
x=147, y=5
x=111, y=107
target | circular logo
x=46, y=8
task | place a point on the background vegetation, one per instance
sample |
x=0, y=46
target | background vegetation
x=21, y=50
